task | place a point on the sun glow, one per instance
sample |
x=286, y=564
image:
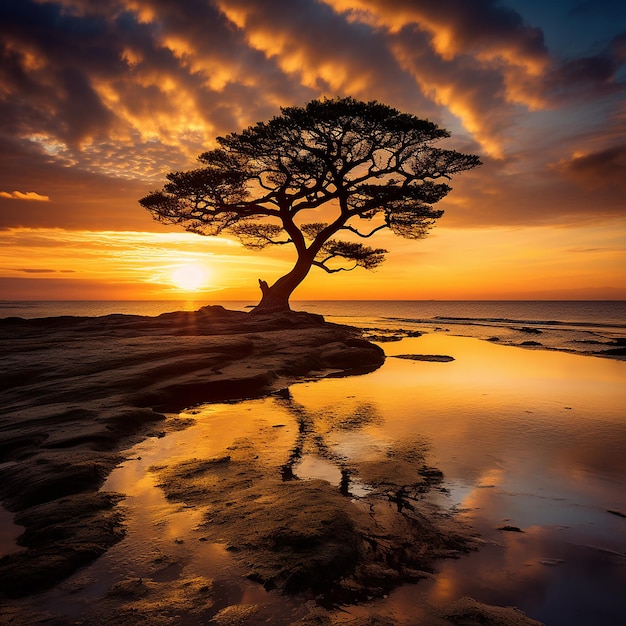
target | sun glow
x=190, y=277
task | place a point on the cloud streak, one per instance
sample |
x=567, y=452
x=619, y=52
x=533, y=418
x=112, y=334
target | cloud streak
x=28, y=195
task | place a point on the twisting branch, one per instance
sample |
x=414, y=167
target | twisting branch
x=362, y=256
x=257, y=236
x=336, y=269
x=365, y=235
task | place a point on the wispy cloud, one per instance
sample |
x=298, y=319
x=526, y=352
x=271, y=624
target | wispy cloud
x=140, y=258
x=28, y=195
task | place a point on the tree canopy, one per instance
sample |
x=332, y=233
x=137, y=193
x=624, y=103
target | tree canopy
x=362, y=167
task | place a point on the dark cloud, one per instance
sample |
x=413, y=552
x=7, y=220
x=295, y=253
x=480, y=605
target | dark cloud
x=597, y=170
x=63, y=289
x=36, y=270
x=551, y=195
x=589, y=77
x=614, y=9
x=483, y=27
x=324, y=51
x=49, y=61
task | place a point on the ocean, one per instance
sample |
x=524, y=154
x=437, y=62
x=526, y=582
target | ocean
x=586, y=327
x=592, y=313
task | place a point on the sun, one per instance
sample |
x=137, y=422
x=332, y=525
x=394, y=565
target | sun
x=189, y=277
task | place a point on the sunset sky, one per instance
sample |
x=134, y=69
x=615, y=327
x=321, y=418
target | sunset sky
x=99, y=100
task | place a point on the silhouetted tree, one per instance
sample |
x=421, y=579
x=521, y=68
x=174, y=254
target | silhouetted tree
x=369, y=166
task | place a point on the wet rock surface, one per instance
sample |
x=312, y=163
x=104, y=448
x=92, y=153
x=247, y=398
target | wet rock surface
x=62, y=535
x=435, y=358
x=308, y=536
x=75, y=391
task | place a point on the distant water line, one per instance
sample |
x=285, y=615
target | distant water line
x=586, y=327
x=592, y=312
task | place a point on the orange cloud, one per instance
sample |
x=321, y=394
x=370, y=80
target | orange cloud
x=468, y=60
x=321, y=49
x=483, y=29
x=29, y=195
x=465, y=91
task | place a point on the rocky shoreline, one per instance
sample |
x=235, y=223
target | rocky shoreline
x=78, y=392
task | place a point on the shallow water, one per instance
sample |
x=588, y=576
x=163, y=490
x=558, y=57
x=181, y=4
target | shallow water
x=535, y=440
x=525, y=438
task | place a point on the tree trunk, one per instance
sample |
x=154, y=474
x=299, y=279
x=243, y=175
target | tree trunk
x=275, y=298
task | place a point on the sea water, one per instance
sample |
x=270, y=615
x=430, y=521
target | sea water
x=585, y=327
x=543, y=312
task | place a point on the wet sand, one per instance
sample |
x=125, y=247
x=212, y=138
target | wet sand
x=80, y=391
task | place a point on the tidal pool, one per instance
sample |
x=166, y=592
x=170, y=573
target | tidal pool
x=531, y=443
x=526, y=439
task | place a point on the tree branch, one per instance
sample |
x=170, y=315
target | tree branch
x=334, y=270
x=366, y=235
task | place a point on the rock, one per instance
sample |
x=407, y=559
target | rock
x=61, y=535
x=305, y=536
x=551, y=562
x=469, y=612
x=235, y=615
x=77, y=390
x=436, y=358
x=353, y=355
x=612, y=352
x=132, y=588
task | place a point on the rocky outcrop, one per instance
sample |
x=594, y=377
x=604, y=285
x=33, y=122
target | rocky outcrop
x=76, y=391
